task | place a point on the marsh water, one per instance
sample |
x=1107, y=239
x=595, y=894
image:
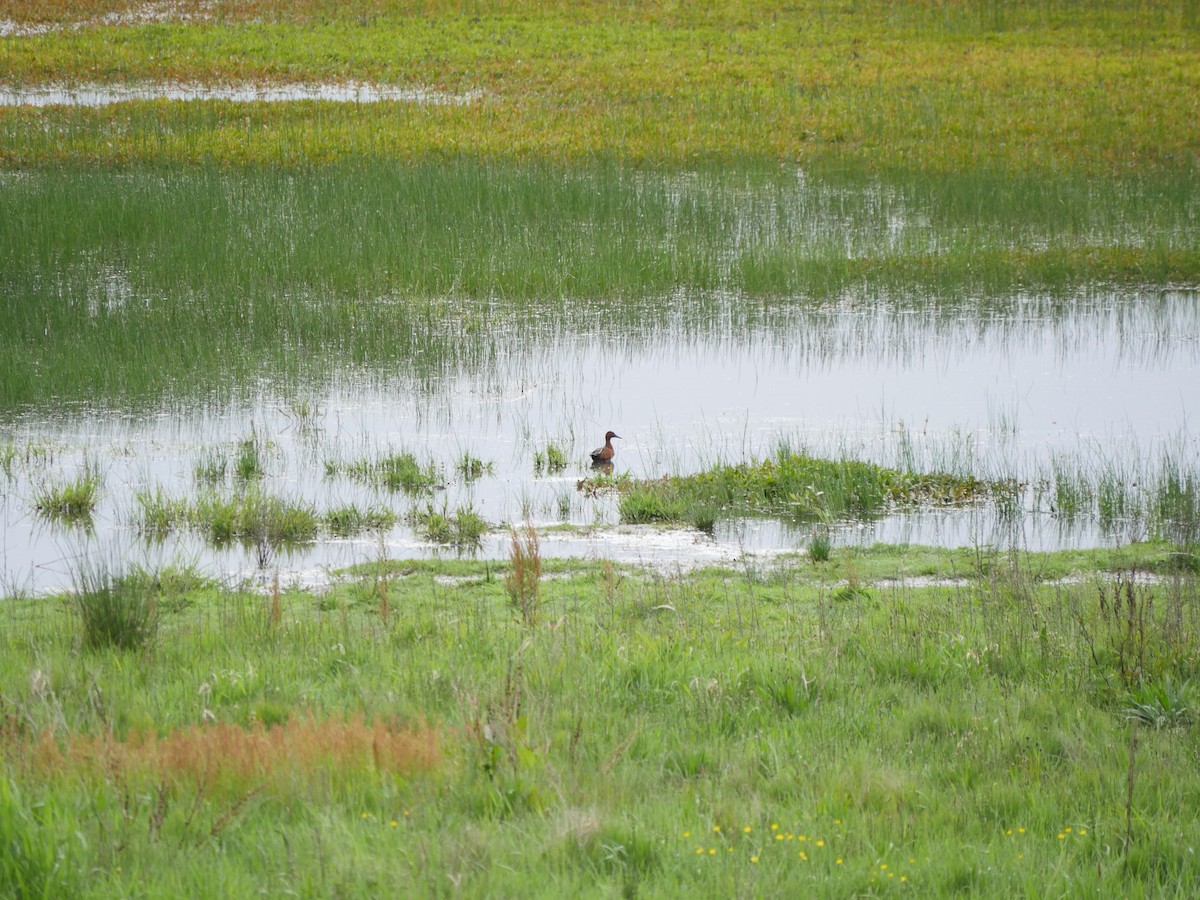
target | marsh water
x=1030, y=385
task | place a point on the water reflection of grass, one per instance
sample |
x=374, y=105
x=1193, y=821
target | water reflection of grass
x=960, y=724
x=127, y=295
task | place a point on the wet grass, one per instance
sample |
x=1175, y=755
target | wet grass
x=1039, y=85
x=250, y=516
x=71, y=501
x=349, y=520
x=395, y=471
x=462, y=528
x=796, y=487
x=472, y=468
x=132, y=294
x=765, y=728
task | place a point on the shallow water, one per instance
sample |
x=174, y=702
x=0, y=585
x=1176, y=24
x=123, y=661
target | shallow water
x=107, y=94
x=1106, y=381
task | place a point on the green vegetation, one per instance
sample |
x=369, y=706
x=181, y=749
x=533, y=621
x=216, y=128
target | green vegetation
x=667, y=736
x=348, y=520
x=251, y=517
x=117, y=298
x=550, y=461
x=396, y=472
x=463, y=528
x=887, y=720
x=796, y=487
x=1028, y=85
x=71, y=501
x=472, y=468
x=116, y=612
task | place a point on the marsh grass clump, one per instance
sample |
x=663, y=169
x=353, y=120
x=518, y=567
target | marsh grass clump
x=254, y=517
x=8, y=458
x=160, y=514
x=250, y=460
x=396, y=472
x=820, y=544
x=471, y=468
x=464, y=528
x=211, y=468
x=549, y=461
x=72, y=501
x=796, y=487
x=350, y=519
x=118, y=611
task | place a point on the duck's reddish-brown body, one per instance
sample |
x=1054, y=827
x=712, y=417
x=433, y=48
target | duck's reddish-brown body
x=605, y=453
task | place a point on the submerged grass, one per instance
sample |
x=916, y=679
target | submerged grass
x=128, y=295
x=662, y=736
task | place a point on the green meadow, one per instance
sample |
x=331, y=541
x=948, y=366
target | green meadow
x=894, y=722
x=848, y=721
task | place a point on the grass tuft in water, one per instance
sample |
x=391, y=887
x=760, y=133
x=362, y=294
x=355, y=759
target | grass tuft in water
x=550, y=461
x=463, y=529
x=71, y=501
x=396, y=472
x=250, y=517
x=250, y=462
x=211, y=468
x=471, y=468
x=820, y=545
x=350, y=519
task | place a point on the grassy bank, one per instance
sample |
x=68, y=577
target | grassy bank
x=1045, y=85
x=979, y=724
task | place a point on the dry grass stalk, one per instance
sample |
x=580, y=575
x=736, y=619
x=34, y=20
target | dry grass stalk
x=523, y=584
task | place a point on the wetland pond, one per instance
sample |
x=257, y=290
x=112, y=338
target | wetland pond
x=1095, y=385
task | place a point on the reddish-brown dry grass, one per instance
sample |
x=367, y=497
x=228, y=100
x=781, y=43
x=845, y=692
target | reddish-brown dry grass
x=234, y=757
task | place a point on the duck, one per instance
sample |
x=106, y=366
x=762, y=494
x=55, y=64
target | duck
x=605, y=454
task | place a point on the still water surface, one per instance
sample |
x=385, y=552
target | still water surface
x=1107, y=379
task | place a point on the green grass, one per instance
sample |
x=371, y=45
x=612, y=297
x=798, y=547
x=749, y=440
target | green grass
x=249, y=516
x=796, y=487
x=972, y=735
x=550, y=461
x=396, y=472
x=472, y=468
x=350, y=519
x=69, y=501
x=463, y=528
x=116, y=611
x=361, y=263
x=1040, y=85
